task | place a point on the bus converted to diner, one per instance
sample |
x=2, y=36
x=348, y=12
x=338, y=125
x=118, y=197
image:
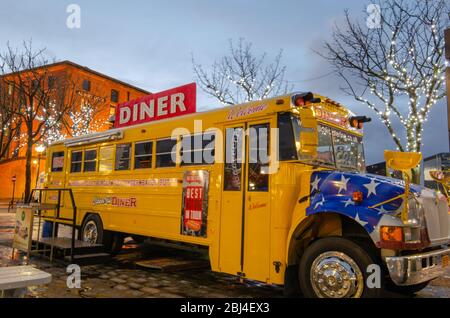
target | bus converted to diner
x=275, y=190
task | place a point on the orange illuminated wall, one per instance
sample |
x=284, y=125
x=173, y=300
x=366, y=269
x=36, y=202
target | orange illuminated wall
x=91, y=83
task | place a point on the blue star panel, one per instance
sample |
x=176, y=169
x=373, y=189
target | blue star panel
x=332, y=191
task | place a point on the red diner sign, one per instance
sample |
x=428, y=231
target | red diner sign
x=170, y=103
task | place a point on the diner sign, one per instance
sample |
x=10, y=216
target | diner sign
x=170, y=103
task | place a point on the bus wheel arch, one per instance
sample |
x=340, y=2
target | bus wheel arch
x=322, y=225
x=112, y=241
x=314, y=228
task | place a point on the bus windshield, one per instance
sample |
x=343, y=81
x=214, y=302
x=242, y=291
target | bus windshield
x=340, y=149
x=336, y=148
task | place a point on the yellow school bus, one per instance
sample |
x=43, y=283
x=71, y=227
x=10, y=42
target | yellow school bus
x=282, y=198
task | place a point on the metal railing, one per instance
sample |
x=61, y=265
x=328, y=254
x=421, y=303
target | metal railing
x=55, y=219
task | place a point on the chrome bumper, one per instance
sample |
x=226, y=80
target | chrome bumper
x=418, y=268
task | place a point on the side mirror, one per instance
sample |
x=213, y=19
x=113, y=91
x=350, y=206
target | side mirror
x=309, y=139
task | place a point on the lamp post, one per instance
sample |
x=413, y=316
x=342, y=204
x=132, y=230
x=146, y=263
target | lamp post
x=39, y=149
x=11, y=204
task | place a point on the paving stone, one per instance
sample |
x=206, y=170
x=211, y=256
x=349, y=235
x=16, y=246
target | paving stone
x=123, y=276
x=139, y=280
x=149, y=290
x=153, y=284
x=135, y=286
x=169, y=295
x=104, y=276
x=118, y=280
x=121, y=287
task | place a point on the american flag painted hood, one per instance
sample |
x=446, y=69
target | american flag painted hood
x=332, y=191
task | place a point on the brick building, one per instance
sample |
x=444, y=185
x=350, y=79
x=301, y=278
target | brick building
x=108, y=92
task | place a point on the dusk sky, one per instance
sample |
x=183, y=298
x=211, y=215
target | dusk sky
x=150, y=43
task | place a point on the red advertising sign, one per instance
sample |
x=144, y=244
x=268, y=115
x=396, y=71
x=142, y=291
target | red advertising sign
x=195, y=203
x=171, y=103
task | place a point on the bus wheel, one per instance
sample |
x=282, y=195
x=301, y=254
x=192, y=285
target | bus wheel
x=334, y=267
x=92, y=229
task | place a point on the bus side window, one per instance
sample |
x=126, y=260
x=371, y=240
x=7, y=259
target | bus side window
x=105, y=160
x=58, y=161
x=259, y=157
x=90, y=160
x=198, y=149
x=123, y=156
x=165, y=150
x=76, y=161
x=143, y=155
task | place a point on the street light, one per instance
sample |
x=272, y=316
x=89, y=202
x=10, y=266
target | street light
x=39, y=149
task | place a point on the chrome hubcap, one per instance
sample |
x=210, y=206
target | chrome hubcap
x=90, y=232
x=336, y=275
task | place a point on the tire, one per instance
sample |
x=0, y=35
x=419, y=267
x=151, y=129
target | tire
x=406, y=290
x=92, y=231
x=335, y=260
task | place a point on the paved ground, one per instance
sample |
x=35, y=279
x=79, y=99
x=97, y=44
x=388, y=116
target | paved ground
x=123, y=278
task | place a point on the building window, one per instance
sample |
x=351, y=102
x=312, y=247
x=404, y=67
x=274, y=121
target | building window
x=51, y=82
x=123, y=153
x=165, y=153
x=10, y=89
x=105, y=160
x=197, y=149
x=112, y=110
x=90, y=160
x=128, y=96
x=76, y=161
x=58, y=161
x=114, y=96
x=87, y=85
x=143, y=155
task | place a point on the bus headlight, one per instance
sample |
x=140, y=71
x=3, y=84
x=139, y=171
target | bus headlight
x=412, y=235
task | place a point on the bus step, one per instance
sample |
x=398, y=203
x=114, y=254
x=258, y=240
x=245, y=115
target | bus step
x=173, y=264
x=85, y=259
x=64, y=244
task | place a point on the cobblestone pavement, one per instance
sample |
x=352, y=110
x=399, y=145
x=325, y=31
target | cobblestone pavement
x=121, y=278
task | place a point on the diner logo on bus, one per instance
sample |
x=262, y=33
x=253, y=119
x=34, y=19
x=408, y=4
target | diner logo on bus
x=332, y=117
x=171, y=103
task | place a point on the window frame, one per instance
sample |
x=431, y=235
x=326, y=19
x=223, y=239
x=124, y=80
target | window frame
x=130, y=157
x=80, y=162
x=52, y=157
x=116, y=92
x=112, y=159
x=151, y=155
x=175, y=163
x=86, y=85
x=194, y=150
x=91, y=160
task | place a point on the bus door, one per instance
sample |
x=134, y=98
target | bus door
x=245, y=217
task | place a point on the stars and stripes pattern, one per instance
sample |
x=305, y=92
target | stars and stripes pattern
x=332, y=191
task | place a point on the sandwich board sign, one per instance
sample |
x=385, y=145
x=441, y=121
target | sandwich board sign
x=23, y=231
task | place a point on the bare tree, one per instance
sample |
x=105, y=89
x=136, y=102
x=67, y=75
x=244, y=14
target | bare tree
x=241, y=76
x=9, y=124
x=40, y=100
x=394, y=68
